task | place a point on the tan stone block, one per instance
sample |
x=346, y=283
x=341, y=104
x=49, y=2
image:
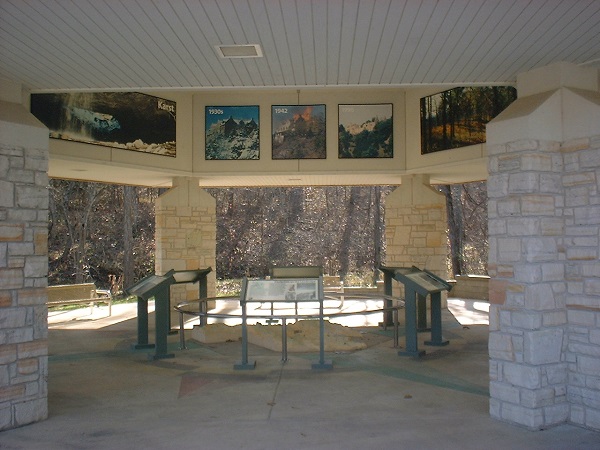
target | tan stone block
x=11, y=278
x=31, y=297
x=11, y=393
x=40, y=241
x=577, y=179
x=537, y=205
x=5, y=299
x=497, y=291
x=518, y=288
x=413, y=219
x=27, y=366
x=172, y=222
x=183, y=211
x=8, y=353
x=434, y=240
x=505, y=271
x=33, y=348
x=11, y=233
x=426, y=227
x=575, y=145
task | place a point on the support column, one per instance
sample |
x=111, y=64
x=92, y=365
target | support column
x=543, y=259
x=23, y=267
x=186, y=236
x=415, y=227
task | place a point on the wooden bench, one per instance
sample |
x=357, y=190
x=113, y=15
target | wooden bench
x=74, y=294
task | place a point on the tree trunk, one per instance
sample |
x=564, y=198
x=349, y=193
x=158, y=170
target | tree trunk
x=454, y=228
x=128, y=220
x=377, y=232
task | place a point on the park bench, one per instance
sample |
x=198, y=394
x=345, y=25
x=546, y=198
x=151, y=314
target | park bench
x=74, y=294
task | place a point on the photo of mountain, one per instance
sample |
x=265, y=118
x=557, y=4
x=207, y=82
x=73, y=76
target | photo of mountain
x=298, y=131
x=365, y=131
x=125, y=120
x=232, y=132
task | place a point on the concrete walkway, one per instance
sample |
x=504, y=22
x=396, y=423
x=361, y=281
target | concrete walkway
x=102, y=394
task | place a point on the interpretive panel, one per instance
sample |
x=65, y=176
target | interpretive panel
x=295, y=290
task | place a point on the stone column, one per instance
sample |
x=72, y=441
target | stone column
x=543, y=237
x=186, y=233
x=23, y=267
x=415, y=226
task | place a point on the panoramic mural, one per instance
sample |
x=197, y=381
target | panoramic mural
x=125, y=120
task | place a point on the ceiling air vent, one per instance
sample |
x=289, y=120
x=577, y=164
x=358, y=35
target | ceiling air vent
x=239, y=51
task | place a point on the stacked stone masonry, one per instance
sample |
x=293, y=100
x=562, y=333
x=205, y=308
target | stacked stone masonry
x=544, y=226
x=416, y=234
x=186, y=240
x=23, y=281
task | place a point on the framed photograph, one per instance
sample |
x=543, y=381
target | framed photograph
x=125, y=120
x=457, y=117
x=298, y=132
x=365, y=131
x=232, y=132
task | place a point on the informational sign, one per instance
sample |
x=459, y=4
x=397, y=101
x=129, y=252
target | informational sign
x=293, y=290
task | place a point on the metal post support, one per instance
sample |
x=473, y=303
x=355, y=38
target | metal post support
x=202, y=309
x=396, y=331
x=436, y=321
x=162, y=323
x=244, y=364
x=410, y=314
x=182, y=345
x=387, y=290
x=142, y=322
x=284, y=354
x=322, y=364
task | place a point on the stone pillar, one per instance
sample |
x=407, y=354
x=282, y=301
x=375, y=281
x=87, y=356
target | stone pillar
x=415, y=226
x=543, y=258
x=186, y=236
x=23, y=267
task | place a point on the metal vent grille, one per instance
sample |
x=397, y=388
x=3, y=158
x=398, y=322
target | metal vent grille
x=239, y=51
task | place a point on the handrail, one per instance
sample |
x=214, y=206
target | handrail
x=203, y=313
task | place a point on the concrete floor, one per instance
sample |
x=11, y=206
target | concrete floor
x=103, y=394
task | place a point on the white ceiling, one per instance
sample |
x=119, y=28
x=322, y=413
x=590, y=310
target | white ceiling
x=55, y=45
x=95, y=45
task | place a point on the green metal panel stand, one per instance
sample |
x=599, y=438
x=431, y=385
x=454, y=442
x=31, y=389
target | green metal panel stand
x=321, y=363
x=418, y=284
x=157, y=287
x=195, y=276
x=388, y=276
x=244, y=364
x=410, y=316
x=436, y=321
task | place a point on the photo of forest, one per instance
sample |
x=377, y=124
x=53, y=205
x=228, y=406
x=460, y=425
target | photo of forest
x=457, y=117
x=365, y=131
x=298, y=131
x=125, y=120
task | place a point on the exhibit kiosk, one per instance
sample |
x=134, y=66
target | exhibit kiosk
x=418, y=284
